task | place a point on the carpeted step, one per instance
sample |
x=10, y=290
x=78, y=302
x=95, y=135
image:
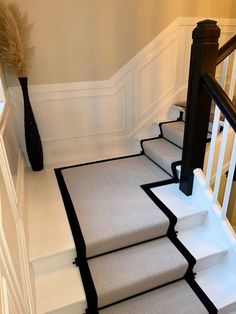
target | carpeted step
x=174, y=132
x=177, y=298
x=137, y=269
x=112, y=209
x=162, y=152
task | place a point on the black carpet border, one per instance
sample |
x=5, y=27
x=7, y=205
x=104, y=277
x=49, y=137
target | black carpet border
x=99, y=161
x=141, y=293
x=172, y=235
x=82, y=261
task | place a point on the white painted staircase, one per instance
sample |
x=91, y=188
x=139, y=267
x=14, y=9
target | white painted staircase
x=57, y=281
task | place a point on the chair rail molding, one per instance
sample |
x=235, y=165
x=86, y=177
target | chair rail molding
x=83, y=121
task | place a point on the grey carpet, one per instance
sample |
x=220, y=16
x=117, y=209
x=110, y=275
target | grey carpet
x=112, y=209
x=114, y=212
x=174, y=132
x=177, y=298
x=162, y=152
x=136, y=269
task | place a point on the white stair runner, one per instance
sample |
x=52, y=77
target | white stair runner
x=112, y=209
x=166, y=150
x=174, y=132
x=172, y=299
x=162, y=153
x=114, y=212
x=136, y=269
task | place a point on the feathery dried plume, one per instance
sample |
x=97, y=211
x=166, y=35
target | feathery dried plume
x=15, y=29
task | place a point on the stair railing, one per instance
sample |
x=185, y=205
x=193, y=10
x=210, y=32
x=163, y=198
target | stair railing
x=202, y=88
x=225, y=106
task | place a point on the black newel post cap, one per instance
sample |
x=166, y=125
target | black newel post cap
x=206, y=31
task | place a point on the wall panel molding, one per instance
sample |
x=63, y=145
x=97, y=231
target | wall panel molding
x=75, y=118
x=14, y=262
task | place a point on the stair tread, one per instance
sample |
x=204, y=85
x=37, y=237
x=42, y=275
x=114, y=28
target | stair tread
x=133, y=270
x=174, y=132
x=177, y=298
x=162, y=152
x=124, y=214
x=182, y=107
x=54, y=292
x=219, y=284
x=180, y=204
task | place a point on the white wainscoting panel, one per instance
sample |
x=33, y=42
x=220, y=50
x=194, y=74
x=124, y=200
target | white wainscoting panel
x=14, y=263
x=82, y=121
x=91, y=115
x=154, y=78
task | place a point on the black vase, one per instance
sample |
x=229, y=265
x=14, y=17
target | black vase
x=32, y=138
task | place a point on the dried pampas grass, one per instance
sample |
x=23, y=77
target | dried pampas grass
x=15, y=29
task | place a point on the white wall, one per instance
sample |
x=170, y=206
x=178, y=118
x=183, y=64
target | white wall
x=90, y=40
x=92, y=120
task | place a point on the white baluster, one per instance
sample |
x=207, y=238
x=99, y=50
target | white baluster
x=221, y=161
x=212, y=146
x=233, y=78
x=216, y=125
x=229, y=181
x=224, y=136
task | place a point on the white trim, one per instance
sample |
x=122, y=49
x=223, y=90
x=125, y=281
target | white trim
x=24, y=260
x=27, y=287
x=11, y=274
x=4, y=160
x=22, y=294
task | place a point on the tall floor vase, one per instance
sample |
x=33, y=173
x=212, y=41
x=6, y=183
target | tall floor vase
x=32, y=138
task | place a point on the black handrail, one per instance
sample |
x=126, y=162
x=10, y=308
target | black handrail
x=221, y=99
x=226, y=49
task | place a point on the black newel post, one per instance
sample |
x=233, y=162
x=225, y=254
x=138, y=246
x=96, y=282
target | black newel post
x=203, y=60
x=32, y=138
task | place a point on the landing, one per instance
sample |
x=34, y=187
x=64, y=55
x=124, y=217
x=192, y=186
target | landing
x=49, y=230
x=111, y=207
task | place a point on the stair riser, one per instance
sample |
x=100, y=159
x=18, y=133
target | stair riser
x=174, y=136
x=50, y=263
x=190, y=221
x=230, y=309
x=209, y=261
x=163, y=153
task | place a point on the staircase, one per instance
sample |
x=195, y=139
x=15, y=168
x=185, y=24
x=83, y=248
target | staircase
x=155, y=250
x=155, y=276
x=144, y=280
x=166, y=150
